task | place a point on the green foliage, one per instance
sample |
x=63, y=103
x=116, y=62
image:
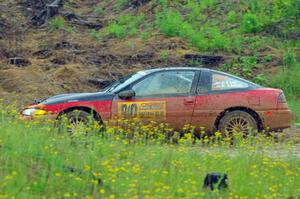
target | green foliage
x=267, y=58
x=248, y=64
x=288, y=80
x=231, y=17
x=163, y=2
x=95, y=34
x=289, y=58
x=56, y=23
x=294, y=105
x=261, y=79
x=70, y=29
x=124, y=26
x=207, y=3
x=195, y=14
x=120, y=4
x=251, y=23
x=287, y=9
x=216, y=39
x=145, y=35
x=164, y=55
x=98, y=10
x=67, y=6
x=116, y=30
x=170, y=23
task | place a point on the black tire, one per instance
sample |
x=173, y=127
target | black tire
x=237, y=121
x=75, y=118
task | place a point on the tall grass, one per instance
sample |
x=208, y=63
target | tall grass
x=125, y=25
x=288, y=79
x=36, y=161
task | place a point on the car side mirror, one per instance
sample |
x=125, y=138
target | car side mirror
x=127, y=94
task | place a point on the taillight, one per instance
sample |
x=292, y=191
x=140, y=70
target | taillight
x=281, y=98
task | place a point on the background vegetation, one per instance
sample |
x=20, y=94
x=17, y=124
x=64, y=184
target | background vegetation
x=258, y=39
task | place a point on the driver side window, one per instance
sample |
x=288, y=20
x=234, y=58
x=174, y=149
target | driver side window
x=170, y=82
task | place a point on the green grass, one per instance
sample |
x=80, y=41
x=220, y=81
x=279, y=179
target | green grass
x=294, y=105
x=37, y=162
x=288, y=79
x=56, y=23
x=125, y=25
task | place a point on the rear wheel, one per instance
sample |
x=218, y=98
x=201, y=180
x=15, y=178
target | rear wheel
x=237, y=122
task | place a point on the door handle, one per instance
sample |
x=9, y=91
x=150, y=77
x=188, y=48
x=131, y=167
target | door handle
x=188, y=101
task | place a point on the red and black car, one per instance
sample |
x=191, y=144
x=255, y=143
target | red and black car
x=177, y=96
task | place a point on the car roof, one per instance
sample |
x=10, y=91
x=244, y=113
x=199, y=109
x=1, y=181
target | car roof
x=148, y=71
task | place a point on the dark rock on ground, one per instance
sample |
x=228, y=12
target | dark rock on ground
x=205, y=60
x=87, y=21
x=57, y=61
x=138, y=3
x=93, y=60
x=19, y=61
x=40, y=11
x=42, y=54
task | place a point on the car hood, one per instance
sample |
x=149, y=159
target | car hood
x=76, y=97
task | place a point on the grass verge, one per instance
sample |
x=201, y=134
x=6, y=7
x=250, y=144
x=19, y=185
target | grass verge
x=36, y=161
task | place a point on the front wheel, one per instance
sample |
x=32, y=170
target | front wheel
x=237, y=122
x=78, y=121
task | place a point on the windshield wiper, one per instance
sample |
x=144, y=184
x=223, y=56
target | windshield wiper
x=120, y=81
x=113, y=86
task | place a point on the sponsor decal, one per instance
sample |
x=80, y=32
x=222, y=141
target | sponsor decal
x=146, y=110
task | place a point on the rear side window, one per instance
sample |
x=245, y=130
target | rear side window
x=223, y=82
x=210, y=81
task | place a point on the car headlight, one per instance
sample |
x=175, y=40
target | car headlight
x=33, y=112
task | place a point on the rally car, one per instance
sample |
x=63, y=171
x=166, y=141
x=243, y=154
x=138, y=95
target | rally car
x=178, y=96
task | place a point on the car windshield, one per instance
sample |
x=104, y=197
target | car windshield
x=124, y=81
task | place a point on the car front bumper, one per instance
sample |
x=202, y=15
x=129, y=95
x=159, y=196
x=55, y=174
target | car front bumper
x=42, y=117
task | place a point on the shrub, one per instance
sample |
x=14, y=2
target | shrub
x=56, y=23
x=231, y=17
x=98, y=10
x=251, y=23
x=116, y=30
x=288, y=80
x=125, y=25
x=95, y=34
x=289, y=58
x=70, y=29
x=216, y=39
x=248, y=63
x=261, y=79
x=164, y=55
x=145, y=36
x=120, y=4
x=163, y=2
x=199, y=40
x=169, y=23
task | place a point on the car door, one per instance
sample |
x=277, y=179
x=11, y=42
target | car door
x=164, y=96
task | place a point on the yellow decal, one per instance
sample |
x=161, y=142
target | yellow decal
x=142, y=110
